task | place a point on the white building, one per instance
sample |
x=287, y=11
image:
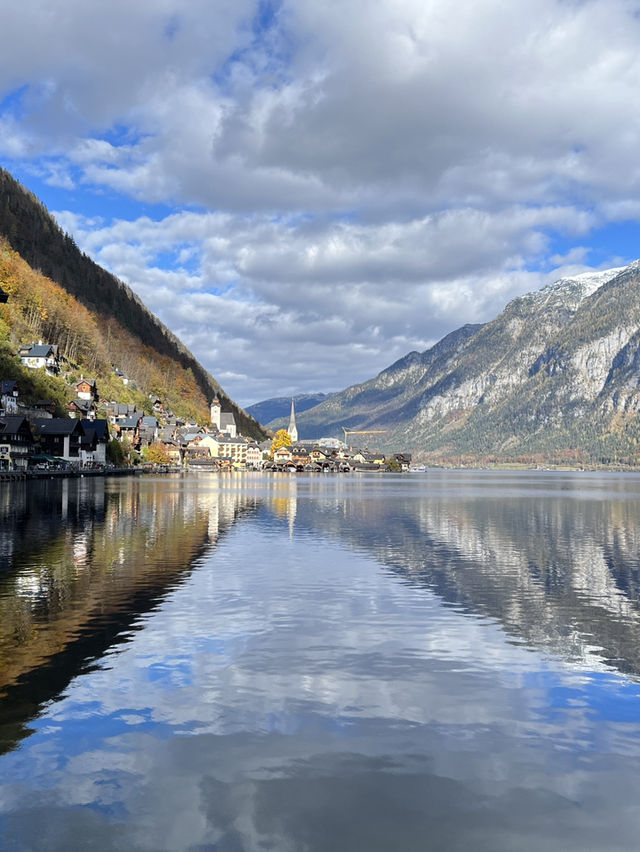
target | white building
x=224, y=421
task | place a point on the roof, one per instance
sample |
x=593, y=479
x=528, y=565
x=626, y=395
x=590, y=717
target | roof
x=120, y=408
x=129, y=422
x=100, y=427
x=13, y=424
x=90, y=382
x=82, y=404
x=8, y=386
x=38, y=350
x=227, y=419
x=225, y=439
x=57, y=426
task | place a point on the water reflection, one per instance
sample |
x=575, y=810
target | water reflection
x=556, y=563
x=555, y=560
x=81, y=563
x=326, y=664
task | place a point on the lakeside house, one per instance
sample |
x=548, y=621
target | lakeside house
x=16, y=442
x=31, y=433
x=97, y=452
x=338, y=458
x=59, y=437
x=101, y=430
x=79, y=442
x=254, y=456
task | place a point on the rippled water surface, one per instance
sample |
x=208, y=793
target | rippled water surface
x=438, y=661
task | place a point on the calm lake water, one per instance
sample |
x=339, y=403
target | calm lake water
x=439, y=661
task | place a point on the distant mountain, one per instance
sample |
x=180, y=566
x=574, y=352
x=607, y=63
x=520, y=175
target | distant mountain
x=280, y=406
x=122, y=328
x=555, y=376
x=380, y=401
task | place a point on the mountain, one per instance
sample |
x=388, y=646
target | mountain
x=280, y=406
x=379, y=402
x=56, y=291
x=555, y=376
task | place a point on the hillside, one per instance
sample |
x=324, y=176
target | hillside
x=556, y=376
x=95, y=318
x=379, y=402
x=280, y=406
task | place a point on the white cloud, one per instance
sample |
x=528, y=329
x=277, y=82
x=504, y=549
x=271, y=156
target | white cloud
x=334, y=303
x=369, y=176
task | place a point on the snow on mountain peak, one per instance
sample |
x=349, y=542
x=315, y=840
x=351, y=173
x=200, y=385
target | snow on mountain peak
x=575, y=288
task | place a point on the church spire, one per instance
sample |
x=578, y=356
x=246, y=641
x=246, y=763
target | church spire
x=292, y=430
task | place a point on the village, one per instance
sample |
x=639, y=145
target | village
x=98, y=435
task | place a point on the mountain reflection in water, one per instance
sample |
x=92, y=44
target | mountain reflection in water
x=81, y=563
x=557, y=567
x=437, y=661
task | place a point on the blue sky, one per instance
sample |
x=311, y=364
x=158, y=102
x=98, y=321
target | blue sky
x=306, y=192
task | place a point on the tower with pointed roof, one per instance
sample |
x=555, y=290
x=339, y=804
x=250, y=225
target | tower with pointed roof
x=292, y=430
x=215, y=411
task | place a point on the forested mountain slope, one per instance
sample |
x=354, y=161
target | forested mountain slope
x=115, y=326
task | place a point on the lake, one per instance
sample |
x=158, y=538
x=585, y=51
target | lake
x=437, y=661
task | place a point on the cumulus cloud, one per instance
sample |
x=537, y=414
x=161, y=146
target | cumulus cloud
x=350, y=181
x=333, y=303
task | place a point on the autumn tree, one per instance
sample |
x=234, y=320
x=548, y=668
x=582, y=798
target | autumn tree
x=156, y=453
x=281, y=439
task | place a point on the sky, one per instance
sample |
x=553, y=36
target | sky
x=306, y=191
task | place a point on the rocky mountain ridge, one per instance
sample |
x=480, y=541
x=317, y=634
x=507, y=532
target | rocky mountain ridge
x=556, y=374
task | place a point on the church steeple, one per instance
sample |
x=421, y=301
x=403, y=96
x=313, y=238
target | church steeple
x=214, y=412
x=292, y=430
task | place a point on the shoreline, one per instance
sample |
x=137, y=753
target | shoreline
x=23, y=476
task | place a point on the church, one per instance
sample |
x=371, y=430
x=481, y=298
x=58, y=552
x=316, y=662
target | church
x=224, y=421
